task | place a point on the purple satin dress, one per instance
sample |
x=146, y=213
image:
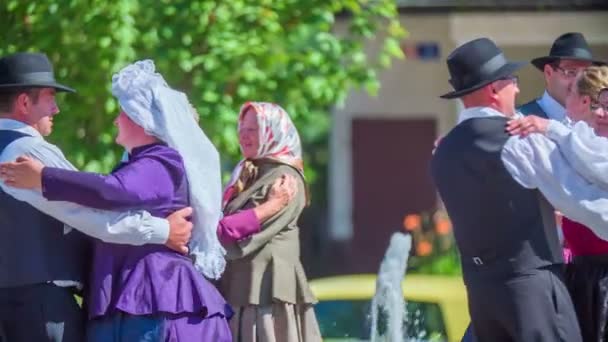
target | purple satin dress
x=149, y=279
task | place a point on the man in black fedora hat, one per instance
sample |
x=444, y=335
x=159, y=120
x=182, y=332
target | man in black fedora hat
x=569, y=54
x=42, y=261
x=499, y=192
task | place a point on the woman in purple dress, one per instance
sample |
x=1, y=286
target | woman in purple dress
x=151, y=293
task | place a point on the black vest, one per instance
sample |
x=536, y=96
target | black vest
x=501, y=228
x=532, y=108
x=33, y=246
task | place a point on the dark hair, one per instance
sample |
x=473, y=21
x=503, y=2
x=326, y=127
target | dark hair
x=8, y=97
x=555, y=64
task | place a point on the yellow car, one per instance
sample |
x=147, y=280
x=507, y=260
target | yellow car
x=436, y=307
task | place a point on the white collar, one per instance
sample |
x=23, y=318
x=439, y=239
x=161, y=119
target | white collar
x=551, y=107
x=481, y=112
x=14, y=125
x=568, y=122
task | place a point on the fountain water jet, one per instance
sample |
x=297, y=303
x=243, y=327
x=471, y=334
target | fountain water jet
x=389, y=295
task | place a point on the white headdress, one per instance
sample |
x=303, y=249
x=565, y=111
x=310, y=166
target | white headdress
x=166, y=114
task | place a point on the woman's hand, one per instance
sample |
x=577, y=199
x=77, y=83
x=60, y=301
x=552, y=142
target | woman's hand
x=527, y=125
x=25, y=173
x=283, y=190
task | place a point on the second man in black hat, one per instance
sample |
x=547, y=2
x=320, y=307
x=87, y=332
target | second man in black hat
x=568, y=56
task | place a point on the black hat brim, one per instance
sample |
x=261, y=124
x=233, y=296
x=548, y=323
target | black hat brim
x=56, y=86
x=506, y=70
x=540, y=62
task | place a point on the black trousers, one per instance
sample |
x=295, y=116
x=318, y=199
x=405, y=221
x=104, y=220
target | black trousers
x=535, y=306
x=587, y=281
x=42, y=312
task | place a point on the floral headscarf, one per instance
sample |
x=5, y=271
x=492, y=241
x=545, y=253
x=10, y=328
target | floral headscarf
x=279, y=140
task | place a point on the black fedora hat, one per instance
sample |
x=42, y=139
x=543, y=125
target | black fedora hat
x=28, y=70
x=476, y=64
x=570, y=45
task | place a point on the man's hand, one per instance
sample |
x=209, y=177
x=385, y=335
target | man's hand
x=180, y=230
x=527, y=125
x=559, y=217
x=435, y=144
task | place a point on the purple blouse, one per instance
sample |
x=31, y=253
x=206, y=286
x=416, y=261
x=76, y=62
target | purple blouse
x=144, y=279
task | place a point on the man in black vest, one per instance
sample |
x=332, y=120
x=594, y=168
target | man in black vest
x=495, y=188
x=569, y=54
x=43, y=262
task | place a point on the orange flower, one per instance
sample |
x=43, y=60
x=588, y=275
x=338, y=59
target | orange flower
x=443, y=226
x=411, y=222
x=424, y=248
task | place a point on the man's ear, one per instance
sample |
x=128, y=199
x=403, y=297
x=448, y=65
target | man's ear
x=491, y=89
x=548, y=70
x=21, y=104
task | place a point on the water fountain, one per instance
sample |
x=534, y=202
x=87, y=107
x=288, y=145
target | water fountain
x=388, y=298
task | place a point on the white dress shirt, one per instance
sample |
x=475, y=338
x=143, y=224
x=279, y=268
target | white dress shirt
x=536, y=162
x=553, y=109
x=133, y=227
x=583, y=149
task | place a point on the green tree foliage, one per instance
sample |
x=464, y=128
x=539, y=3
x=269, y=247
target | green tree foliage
x=222, y=53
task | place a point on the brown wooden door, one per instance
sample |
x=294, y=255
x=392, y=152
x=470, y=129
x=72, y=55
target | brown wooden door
x=390, y=179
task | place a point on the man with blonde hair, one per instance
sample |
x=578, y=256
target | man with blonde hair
x=568, y=56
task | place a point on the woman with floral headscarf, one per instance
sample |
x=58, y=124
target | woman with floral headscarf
x=264, y=279
x=150, y=293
